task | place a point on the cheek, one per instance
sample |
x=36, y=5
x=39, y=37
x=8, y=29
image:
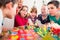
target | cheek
x=34, y=15
x=26, y=13
x=43, y=10
x=21, y=12
x=55, y=10
x=52, y=11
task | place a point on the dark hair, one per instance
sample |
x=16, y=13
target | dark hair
x=55, y=3
x=34, y=10
x=22, y=9
x=1, y=3
x=4, y=2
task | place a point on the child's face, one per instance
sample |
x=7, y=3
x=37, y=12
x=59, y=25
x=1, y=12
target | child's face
x=52, y=9
x=44, y=10
x=11, y=12
x=33, y=14
x=23, y=12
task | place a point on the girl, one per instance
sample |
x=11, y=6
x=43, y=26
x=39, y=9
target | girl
x=33, y=16
x=20, y=18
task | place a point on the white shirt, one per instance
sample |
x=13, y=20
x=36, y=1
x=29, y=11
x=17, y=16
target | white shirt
x=8, y=23
x=1, y=20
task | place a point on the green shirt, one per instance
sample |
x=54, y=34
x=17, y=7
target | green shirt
x=53, y=18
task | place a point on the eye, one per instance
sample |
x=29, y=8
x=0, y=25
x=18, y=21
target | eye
x=23, y=9
x=19, y=7
x=52, y=8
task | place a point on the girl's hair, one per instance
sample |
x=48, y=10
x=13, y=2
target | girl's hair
x=34, y=10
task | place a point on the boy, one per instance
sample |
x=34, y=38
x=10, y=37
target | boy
x=43, y=17
x=6, y=10
x=53, y=9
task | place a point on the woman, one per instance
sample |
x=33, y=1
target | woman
x=20, y=18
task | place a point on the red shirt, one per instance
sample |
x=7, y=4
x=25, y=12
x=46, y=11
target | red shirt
x=20, y=21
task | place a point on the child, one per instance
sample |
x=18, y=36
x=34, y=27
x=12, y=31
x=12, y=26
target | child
x=6, y=10
x=33, y=16
x=43, y=17
x=53, y=9
x=20, y=18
